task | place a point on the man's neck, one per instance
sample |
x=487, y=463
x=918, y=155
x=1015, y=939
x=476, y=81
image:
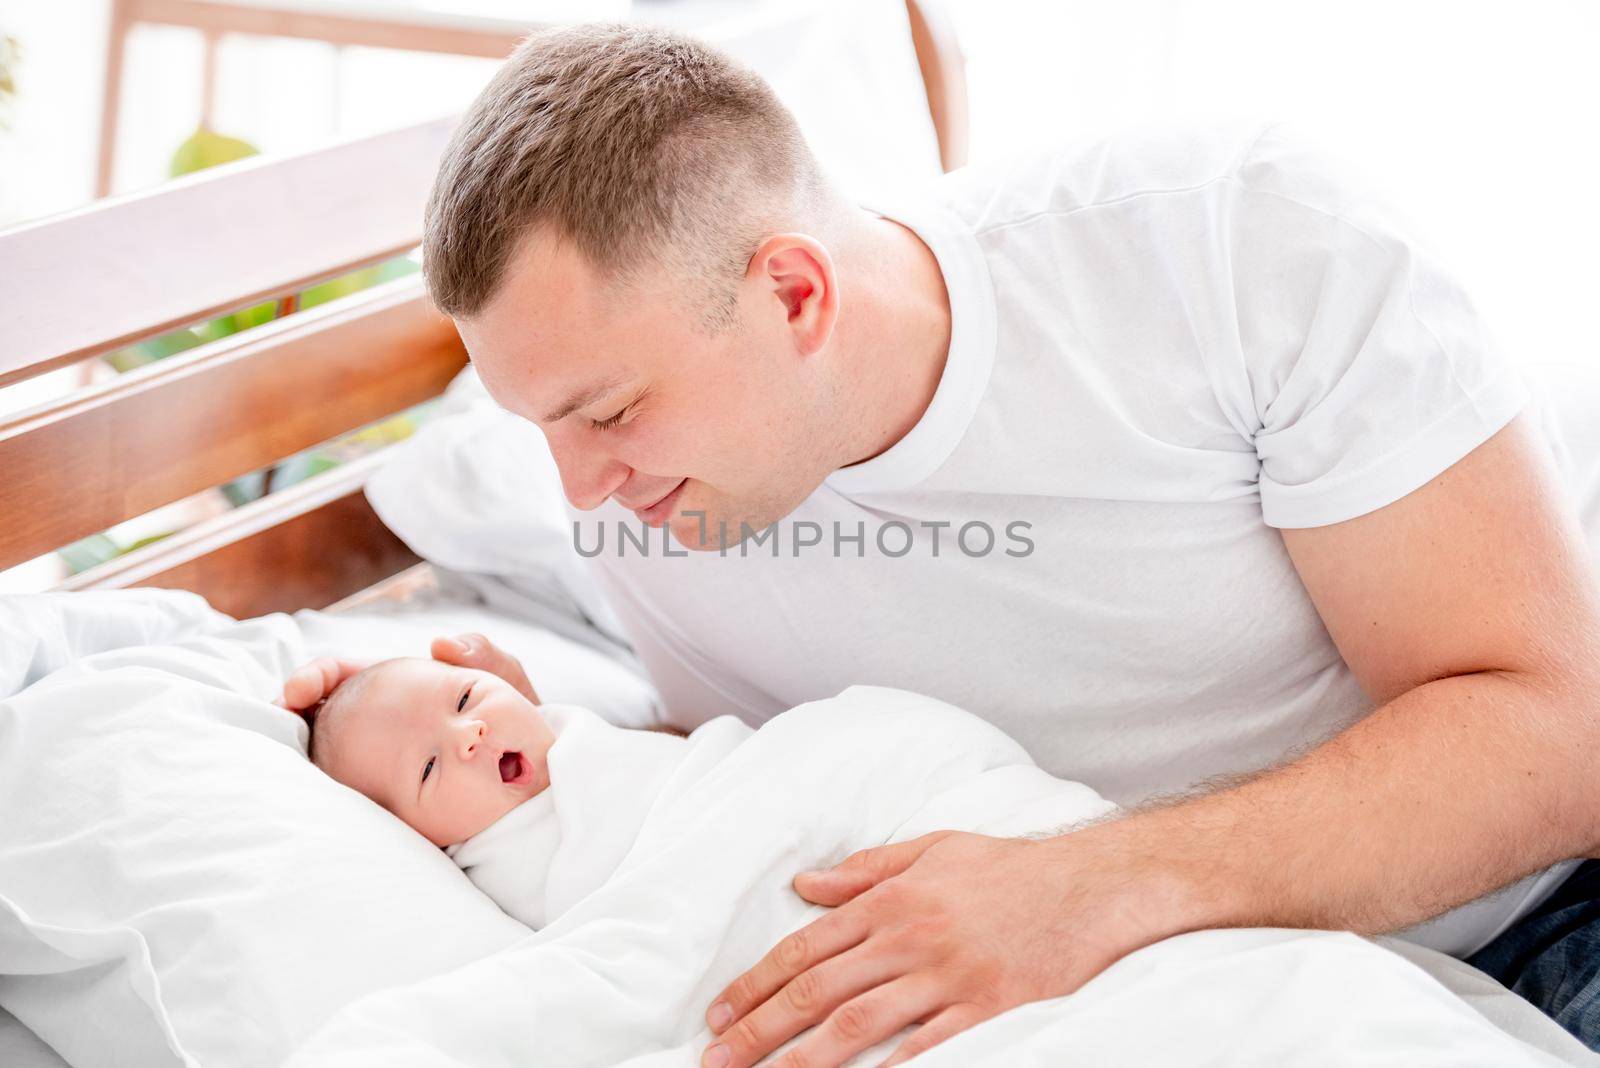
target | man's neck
x=895, y=322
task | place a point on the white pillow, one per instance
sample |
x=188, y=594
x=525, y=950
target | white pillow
x=178, y=885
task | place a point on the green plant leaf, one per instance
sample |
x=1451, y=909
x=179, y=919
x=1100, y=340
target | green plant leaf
x=87, y=552
x=207, y=148
x=157, y=348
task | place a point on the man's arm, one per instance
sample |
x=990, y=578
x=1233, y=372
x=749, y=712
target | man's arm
x=1468, y=610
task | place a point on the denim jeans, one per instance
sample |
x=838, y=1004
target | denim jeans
x=1552, y=955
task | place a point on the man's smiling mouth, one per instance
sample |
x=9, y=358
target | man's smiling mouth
x=662, y=508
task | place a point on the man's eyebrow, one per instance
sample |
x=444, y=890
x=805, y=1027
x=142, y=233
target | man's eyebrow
x=580, y=397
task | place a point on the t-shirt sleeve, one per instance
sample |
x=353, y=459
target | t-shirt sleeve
x=1369, y=368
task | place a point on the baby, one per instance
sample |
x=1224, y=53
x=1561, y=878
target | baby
x=467, y=759
x=447, y=749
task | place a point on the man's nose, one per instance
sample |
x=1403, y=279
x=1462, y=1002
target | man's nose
x=470, y=735
x=588, y=477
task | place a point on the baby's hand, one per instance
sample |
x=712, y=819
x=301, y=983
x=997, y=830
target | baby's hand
x=310, y=683
x=476, y=651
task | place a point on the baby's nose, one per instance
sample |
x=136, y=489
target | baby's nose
x=471, y=734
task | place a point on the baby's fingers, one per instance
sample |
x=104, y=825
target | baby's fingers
x=310, y=683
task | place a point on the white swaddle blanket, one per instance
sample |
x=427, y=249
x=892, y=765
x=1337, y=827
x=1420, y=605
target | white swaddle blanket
x=549, y=852
x=657, y=869
x=540, y=858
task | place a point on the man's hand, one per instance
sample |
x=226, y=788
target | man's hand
x=311, y=683
x=945, y=930
x=476, y=651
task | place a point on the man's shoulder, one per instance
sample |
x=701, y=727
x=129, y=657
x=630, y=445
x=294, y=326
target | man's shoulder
x=1072, y=174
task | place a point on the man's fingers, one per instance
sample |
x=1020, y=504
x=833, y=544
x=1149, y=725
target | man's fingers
x=478, y=652
x=469, y=651
x=806, y=999
x=862, y=870
x=863, y=1022
x=449, y=650
x=795, y=953
x=951, y=1021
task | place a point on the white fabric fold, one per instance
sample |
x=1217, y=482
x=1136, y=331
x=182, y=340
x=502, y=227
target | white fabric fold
x=540, y=858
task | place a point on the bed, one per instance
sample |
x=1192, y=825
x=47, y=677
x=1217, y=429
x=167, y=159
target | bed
x=171, y=919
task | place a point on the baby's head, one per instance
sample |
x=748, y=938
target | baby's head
x=447, y=749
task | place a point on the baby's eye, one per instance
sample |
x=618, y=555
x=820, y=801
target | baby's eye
x=428, y=767
x=461, y=704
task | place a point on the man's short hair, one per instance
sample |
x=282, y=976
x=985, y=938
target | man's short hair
x=640, y=146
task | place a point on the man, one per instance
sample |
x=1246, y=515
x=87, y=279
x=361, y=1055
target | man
x=1168, y=455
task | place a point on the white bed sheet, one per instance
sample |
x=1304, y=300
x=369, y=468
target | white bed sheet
x=398, y=629
x=21, y=1048
x=42, y=634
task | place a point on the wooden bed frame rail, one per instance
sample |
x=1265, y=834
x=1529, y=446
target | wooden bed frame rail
x=179, y=426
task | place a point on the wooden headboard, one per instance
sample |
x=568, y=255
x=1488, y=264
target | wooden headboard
x=131, y=268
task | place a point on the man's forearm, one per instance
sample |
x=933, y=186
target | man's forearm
x=1449, y=791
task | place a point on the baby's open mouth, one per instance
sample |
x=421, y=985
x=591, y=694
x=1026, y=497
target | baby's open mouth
x=513, y=769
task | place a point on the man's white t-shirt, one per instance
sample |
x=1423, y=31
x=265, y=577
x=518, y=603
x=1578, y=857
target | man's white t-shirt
x=1163, y=347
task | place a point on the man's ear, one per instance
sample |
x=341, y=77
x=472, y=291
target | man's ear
x=797, y=272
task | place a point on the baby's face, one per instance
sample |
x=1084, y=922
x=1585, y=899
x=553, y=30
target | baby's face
x=447, y=749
